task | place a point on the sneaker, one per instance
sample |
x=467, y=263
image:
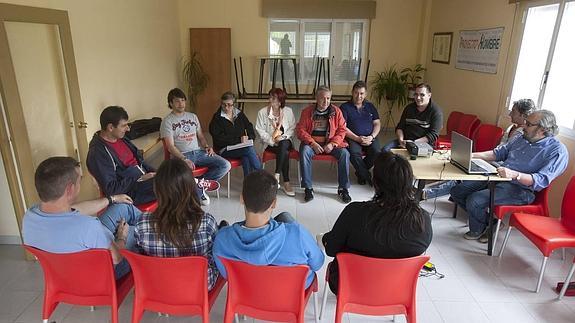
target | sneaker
x=344, y=195
x=287, y=189
x=470, y=235
x=277, y=176
x=308, y=194
x=484, y=238
x=208, y=185
x=204, y=198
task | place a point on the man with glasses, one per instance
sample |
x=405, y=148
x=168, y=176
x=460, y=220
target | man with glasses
x=532, y=161
x=420, y=121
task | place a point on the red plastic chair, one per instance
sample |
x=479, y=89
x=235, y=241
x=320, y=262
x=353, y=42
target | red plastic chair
x=144, y=207
x=176, y=286
x=234, y=162
x=374, y=286
x=452, y=122
x=271, y=293
x=198, y=171
x=540, y=206
x=547, y=233
x=81, y=278
x=487, y=137
x=467, y=124
x=268, y=155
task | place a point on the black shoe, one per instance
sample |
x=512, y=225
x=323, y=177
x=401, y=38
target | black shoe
x=222, y=224
x=344, y=195
x=369, y=182
x=308, y=194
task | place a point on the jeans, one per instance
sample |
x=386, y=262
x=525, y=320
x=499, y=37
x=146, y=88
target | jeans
x=284, y=217
x=340, y=154
x=142, y=192
x=391, y=145
x=111, y=218
x=439, y=189
x=218, y=167
x=473, y=197
x=249, y=157
x=282, y=157
x=363, y=165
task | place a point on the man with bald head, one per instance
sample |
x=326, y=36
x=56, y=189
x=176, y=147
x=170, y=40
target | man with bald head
x=532, y=161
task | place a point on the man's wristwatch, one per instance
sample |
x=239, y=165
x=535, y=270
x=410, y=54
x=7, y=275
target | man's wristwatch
x=518, y=178
x=110, y=199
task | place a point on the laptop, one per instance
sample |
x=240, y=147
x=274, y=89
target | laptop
x=461, y=149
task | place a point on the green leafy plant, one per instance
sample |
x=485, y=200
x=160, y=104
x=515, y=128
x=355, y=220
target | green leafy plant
x=389, y=86
x=413, y=75
x=195, y=78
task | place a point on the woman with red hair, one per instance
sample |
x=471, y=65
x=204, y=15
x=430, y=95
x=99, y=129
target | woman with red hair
x=275, y=126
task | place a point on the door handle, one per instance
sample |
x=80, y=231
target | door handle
x=82, y=125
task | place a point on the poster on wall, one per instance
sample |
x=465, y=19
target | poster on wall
x=478, y=50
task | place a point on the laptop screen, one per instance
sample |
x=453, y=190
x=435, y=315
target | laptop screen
x=461, y=147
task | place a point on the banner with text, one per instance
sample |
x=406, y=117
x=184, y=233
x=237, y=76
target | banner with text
x=478, y=50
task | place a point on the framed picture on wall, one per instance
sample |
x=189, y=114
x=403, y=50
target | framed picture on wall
x=441, y=51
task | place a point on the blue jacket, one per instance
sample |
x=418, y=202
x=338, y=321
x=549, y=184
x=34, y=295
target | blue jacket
x=112, y=176
x=279, y=244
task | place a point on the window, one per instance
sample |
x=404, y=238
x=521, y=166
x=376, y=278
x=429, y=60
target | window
x=342, y=41
x=544, y=67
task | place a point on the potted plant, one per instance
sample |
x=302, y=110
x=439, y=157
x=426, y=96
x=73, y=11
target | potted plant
x=195, y=78
x=389, y=86
x=412, y=76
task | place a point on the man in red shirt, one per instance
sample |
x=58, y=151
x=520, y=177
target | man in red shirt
x=115, y=162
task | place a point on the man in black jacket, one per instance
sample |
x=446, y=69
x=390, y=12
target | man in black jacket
x=420, y=121
x=116, y=163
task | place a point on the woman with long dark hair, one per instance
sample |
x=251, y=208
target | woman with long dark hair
x=391, y=225
x=178, y=227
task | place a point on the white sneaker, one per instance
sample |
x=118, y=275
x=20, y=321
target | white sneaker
x=277, y=176
x=204, y=198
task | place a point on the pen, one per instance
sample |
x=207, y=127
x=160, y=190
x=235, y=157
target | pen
x=141, y=170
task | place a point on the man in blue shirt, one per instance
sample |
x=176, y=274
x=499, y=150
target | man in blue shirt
x=260, y=240
x=363, y=125
x=60, y=225
x=532, y=161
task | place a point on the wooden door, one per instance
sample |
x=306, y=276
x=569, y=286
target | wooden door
x=40, y=97
x=215, y=54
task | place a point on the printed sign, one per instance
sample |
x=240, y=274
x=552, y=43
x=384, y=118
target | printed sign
x=478, y=50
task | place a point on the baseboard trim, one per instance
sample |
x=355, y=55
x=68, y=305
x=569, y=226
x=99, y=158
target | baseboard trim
x=4, y=239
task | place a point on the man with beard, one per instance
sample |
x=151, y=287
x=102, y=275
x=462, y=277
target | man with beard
x=532, y=161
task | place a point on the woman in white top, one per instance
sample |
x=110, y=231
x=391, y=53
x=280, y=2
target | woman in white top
x=275, y=126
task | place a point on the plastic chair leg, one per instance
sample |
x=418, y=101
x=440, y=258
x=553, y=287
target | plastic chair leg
x=495, y=235
x=315, y=307
x=229, y=174
x=541, y=272
x=323, y=301
x=567, y=280
x=505, y=241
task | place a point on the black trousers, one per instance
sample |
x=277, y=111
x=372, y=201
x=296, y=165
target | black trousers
x=282, y=157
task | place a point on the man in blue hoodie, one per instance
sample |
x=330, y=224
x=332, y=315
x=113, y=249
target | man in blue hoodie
x=260, y=240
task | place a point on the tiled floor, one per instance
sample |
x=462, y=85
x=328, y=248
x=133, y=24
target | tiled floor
x=476, y=288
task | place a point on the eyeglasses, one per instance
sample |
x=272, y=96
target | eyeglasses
x=529, y=124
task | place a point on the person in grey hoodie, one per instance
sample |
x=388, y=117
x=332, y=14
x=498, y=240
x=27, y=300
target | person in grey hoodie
x=261, y=240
